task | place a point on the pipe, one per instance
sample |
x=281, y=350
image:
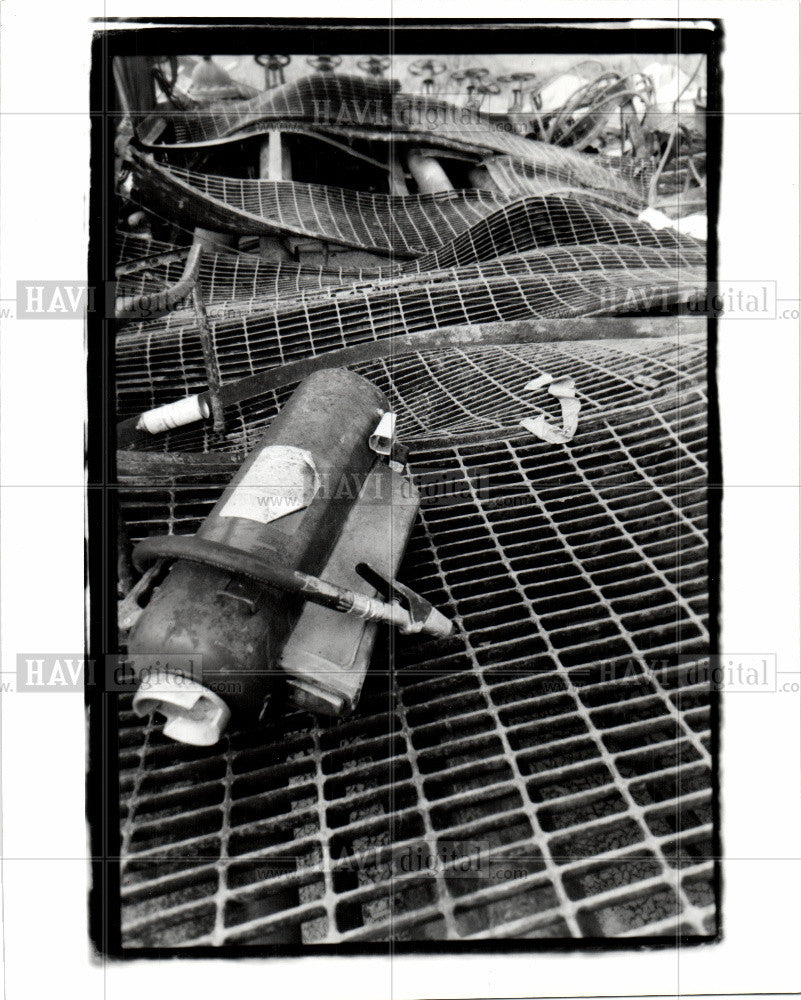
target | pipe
x=427, y=172
x=275, y=164
x=209, y=359
x=397, y=180
x=206, y=552
x=148, y=305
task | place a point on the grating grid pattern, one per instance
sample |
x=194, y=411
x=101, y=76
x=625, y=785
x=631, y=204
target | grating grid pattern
x=240, y=280
x=447, y=391
x=567, y=238
x=514, y=176
x=318, y=97
x=539, y=171
x=369, y=107
x=563, y=729
x=131, y=247
x=402, y=225
x=159, y=360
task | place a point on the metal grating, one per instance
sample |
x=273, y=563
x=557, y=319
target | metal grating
x=564, y=729
x=161, y=362
x=371, y=108
x=316, y=97
x=240, y=280
x=447, y=391
x=401, y=225
x=533, y=233
x=514, y=176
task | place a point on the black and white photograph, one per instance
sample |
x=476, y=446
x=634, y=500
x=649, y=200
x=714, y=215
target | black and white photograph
x=400, y=470
x=410, y=360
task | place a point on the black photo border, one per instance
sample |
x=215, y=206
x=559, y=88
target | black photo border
x=157, y=36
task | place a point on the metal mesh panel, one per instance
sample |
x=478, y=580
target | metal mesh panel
x=402, y=225
x=527, y=224
x=478, y=389
x=162, y=360
x=505, y=243
x=514, y=176
x=370, y=107
x=406, y=226
x=133, y=246
x=318, y=97
x=563, y=731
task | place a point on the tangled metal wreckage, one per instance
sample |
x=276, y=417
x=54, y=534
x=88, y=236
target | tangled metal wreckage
x=484, y=319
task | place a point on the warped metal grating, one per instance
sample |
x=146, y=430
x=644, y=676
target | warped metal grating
x=403, y=225
x=161, y=362
x=564, y=728
x=445, y=391
x=240, y=282
x=356, y=106
x=530, y=235
x=318, y=96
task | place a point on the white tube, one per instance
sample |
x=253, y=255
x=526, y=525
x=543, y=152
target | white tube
x=397, y=182
x=428, y=173
x=275, y=164
x=271, y=158
x=176, y=414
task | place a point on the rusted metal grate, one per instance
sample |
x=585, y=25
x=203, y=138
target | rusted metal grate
x=564, y=732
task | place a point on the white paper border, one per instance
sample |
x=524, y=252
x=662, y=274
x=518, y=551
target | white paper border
x=44, y=181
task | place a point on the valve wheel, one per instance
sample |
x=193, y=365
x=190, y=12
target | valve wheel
x=374, y=65
x=516, y=78
x=473, y=73
x=325, y=64
x=429, y=67
x=273, y=62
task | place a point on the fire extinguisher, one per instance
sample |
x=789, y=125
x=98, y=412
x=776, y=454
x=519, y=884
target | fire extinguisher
x=280, y=589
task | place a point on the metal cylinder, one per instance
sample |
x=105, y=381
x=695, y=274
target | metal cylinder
x=428, y=173
x=275, y=164
x=233, y=629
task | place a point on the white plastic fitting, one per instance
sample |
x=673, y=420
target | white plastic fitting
x=194, y=714
x=383, y=437
x=176, y=414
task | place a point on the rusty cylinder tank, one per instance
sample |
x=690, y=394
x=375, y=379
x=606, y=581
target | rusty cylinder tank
x=288, y=504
